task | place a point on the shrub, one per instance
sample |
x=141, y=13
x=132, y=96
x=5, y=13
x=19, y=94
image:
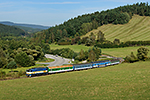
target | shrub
x=23, y=59
x=21, y=73
x=2, y=75
x=12, y=75
x=131, y=58
x=12, y=65
x=142, y=53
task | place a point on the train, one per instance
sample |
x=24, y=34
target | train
x=72, y=67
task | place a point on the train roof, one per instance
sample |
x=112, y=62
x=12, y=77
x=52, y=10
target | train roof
x=82, y=64
x=100, y=61
x=38, y=68
x=60, y=66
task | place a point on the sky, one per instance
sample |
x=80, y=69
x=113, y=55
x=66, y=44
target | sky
x=54, y=12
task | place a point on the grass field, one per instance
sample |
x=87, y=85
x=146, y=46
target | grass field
x=138, y=29
x=116, y=52
x=124, y=81
x=76, y=48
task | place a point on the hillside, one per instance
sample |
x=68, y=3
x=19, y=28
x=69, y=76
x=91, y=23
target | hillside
x=6, y=30
x=25, y=25
x=81, y=25
x=138, y=29
x=28, y=28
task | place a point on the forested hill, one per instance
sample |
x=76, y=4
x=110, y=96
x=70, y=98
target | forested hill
x=80, y=25
x=28, y=28
x=10, y=31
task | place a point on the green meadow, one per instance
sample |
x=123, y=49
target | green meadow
x=76, y=48
x=138, y=29
x=124, y=81
x=116, y=52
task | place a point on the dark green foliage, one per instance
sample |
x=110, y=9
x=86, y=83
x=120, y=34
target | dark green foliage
x=82, y=55
x=32, y=62
x=2, y=75
x=45, y=48
x=92, y=56
x=23, y=59
x=109, y=44
x=116, y=41
x=10, y=48
x=100, y=37
x=142, y=53
x=3, y=59
x=64, y=52
x=97, y=52
x=12, y=65
x=131, y=58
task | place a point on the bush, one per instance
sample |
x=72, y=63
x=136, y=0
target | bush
x=142, y=53
x=12, y=65
x=21, y=73
x=131, y=58
x=2, y=75
x=23, y=59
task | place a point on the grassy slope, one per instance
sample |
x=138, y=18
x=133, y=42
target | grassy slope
x=124, y=81
x=138, y=29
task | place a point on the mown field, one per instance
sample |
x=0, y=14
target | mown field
x=124, y=81
x=138, y=29
x=116, y=52
x=76, y=48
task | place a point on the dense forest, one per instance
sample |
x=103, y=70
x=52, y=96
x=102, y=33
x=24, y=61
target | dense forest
x=78, y=26
x=21, y=53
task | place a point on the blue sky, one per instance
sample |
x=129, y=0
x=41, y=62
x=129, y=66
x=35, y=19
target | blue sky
x=54, y=12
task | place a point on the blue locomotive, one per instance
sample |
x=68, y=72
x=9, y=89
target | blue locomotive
x=36, y=71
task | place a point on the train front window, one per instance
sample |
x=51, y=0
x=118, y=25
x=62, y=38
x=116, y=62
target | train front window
x=29, y=70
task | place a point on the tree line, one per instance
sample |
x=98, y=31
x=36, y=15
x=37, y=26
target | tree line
x=91, y=55
x=117, y=44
